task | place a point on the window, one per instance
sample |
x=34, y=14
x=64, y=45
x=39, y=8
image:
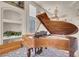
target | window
x=32, y=18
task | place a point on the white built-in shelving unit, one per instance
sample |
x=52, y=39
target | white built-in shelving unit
x=11, y=19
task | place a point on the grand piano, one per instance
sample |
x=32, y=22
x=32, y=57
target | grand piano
x=59, y=37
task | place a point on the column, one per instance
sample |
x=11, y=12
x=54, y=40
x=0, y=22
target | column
x=1, y=40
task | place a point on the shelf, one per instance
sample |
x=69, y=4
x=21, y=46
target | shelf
x=11, y=37
x=11, y=21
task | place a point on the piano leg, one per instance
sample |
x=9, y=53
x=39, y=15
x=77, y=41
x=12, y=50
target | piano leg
x=45, y=47
x=41, y=49
x=29, y=52
x=35, y=51
x=32, y=49
x=38, y=50
x=73, y=46
x=71, y=53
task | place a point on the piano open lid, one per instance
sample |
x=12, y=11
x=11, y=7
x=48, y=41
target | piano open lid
x=57, y=27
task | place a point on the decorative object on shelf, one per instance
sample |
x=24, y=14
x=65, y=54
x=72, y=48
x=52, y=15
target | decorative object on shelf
x=16, y=3
x=21, y=4
x=11, y=33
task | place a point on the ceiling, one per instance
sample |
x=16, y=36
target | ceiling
x=74, y=4
x=54, y=2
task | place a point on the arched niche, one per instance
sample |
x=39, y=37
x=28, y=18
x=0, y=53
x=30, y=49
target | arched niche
x=12, y=20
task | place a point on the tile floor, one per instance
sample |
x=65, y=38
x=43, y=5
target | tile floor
x=49, y=52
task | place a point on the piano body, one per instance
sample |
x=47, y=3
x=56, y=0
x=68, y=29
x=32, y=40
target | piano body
x=67, y=42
